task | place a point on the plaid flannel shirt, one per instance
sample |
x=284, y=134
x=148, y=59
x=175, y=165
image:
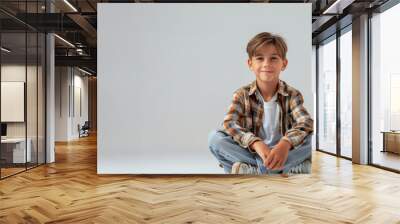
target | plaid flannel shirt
x=244, y=120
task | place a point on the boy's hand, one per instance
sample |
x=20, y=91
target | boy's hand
x=261, y=149
x=278, y=156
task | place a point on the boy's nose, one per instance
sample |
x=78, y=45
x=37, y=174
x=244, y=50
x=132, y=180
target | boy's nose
x=266, y=62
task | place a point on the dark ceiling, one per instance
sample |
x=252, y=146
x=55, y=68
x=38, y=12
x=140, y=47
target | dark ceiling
x=77, y=22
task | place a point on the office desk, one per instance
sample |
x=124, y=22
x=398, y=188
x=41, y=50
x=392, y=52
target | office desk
x=391, y=141
x=13, y=150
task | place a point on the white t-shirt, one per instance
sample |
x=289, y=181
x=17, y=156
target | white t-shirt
x=271, y=121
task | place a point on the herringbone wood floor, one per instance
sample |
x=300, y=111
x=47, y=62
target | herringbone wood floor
x=70, y=191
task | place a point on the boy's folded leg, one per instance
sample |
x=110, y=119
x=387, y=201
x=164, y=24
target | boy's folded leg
x=302, y=168
x=227, y=151
x=299, y=159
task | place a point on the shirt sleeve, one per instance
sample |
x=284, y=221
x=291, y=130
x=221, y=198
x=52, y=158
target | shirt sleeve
x=234, y=123
x=303, y=123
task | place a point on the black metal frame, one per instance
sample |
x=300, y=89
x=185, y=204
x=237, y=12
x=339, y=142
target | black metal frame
x=316, y=97
x=45, y=90
x=369, y=115
x=339, y=32
x=37, y=91
x=0, y=93
x=26, y=89
x=338, y=93
x=44, y=75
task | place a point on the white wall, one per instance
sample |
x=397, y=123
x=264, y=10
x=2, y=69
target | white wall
x=67, y=116
x=166, y=81
x=61, y=103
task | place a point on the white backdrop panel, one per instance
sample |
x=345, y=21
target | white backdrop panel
x=167, y=72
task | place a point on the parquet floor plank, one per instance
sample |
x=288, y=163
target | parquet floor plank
x=70, y=191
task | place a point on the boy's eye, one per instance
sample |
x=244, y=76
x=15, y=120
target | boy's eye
x=259, y=58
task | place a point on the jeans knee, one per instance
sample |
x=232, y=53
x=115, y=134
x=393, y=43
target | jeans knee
x=215, y=139
x=305, y=148
x=307, y=142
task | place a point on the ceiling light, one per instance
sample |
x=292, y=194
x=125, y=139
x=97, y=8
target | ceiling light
x=5, y=49
x=65, y=41
x=71, y=6
x=338, y=6
x=84, y=71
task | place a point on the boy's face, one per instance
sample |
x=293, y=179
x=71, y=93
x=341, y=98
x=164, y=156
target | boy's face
x=267, y=64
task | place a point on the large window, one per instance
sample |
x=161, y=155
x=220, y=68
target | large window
x=335, y=137
x=346, y=93
x=327, y=96
x=385, y=88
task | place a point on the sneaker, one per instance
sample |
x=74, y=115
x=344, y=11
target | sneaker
x=304, y=167
x=243, y=168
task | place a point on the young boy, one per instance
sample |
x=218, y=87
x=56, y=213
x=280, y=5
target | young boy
x=267, y=129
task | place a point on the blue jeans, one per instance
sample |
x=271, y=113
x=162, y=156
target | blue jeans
x=227, y=152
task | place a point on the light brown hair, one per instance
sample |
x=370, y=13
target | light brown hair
x=265, y=38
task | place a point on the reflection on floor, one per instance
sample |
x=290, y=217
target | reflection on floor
x=10, y=169
x=386, y=159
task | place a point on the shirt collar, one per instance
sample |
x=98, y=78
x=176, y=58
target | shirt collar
x=281, y=89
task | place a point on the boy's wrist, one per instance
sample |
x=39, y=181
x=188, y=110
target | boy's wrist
x=284, y=144
x=259, y=147
x=253, y=146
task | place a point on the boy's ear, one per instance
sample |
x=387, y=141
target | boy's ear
x=285, y=63
x=249, y=63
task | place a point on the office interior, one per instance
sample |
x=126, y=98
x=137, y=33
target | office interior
x=48, y=79
x=33, y=64
x=27, y=54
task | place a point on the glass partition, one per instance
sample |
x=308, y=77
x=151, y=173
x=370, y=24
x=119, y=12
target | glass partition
x=13, y=109
x=22, y=63
x=327, y=96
